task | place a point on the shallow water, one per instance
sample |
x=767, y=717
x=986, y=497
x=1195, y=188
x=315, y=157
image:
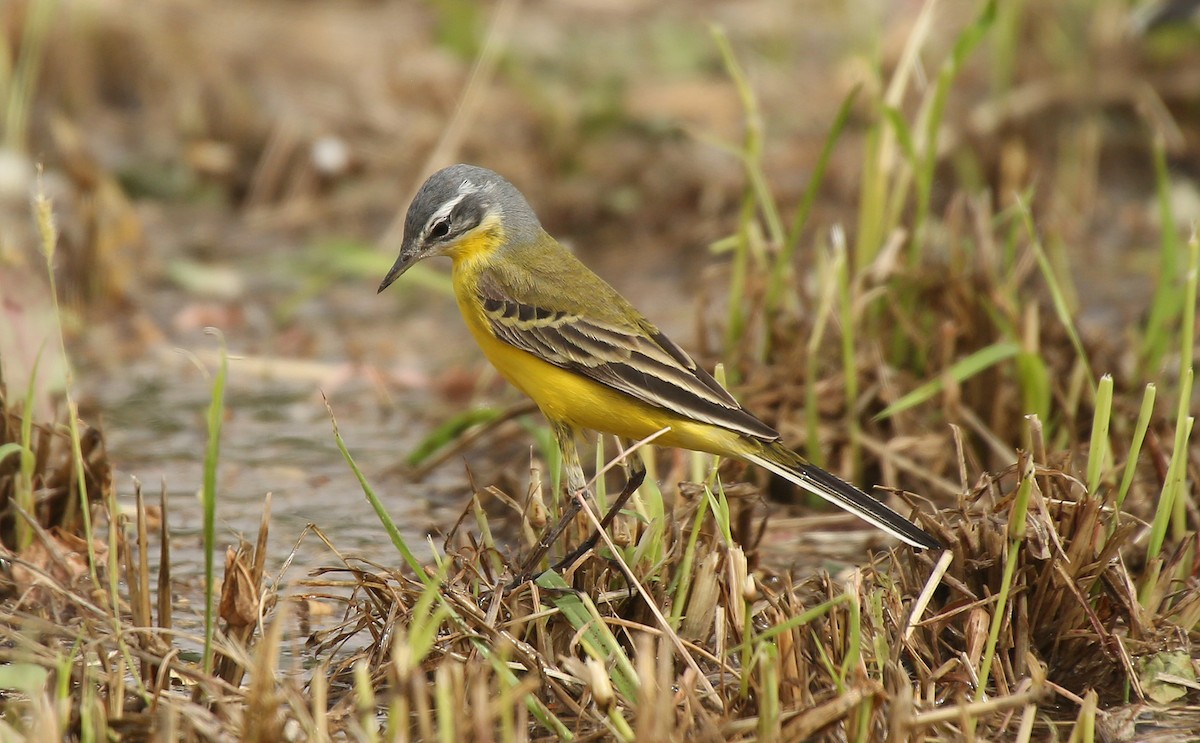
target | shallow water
x=276, y=438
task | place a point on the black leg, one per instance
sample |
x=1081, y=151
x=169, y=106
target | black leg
x=565, y=438
x=633, y=480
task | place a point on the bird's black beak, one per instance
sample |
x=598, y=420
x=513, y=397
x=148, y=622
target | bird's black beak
x=403, y=262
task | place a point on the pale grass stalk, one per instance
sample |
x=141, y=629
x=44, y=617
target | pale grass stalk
x=667, y=629
x=769, y=710
x=881, y=168
x=447, y=694
x=1028, y=717
x=48, y=242
x=1085, y=724
x=833, y=266
x=847, y=297
x=318, y=692
x=19, y=84
x=364, y=695
x=973, y=711
x=923, y=599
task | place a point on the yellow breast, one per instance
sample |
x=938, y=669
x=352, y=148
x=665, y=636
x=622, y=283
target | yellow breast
x=563, y=395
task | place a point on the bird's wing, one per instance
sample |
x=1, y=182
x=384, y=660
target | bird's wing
x=636, y=359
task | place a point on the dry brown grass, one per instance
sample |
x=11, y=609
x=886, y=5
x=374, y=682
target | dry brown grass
x=889, y=650
x=1062, y=624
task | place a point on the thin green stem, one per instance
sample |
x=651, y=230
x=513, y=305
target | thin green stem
x=212, y=458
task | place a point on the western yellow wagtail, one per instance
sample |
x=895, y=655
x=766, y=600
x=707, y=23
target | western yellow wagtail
x=589, y=360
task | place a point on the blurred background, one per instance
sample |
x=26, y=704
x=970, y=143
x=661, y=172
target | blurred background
x=243, y=165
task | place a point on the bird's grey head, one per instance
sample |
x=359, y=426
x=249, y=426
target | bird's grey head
x=454, y=204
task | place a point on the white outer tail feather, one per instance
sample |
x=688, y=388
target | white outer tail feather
x=800, y=479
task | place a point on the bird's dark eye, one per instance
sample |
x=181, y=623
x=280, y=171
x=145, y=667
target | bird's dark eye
x=440, y=229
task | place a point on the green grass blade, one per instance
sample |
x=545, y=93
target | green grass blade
x=448, y=432
x=846, y=297
x=683, y=575
x=1187, y=334
x=1098, y=448
x=1175, y=471
x=24, y=481
x=26, y=678
x=1168, y=296
x=648, y=503
x=597, y=639
x=208, y=498
x=752, y=148
x=769, y=707
x=1007, y=44
x=960, y=371
x=1165, y=509
x=872, y=198
x=718, y=504
x=783, y=261
x=380, y=511
x=1135, y=450
x=798, y=620
x=853, y=637
x=903, y=133
x=966, y=43
x=532, y=703
x=1033, y=377
x=1056, y=293
x=7, y=450
x=1016, y=534
x=23, y=485
x=826, y=301
x=1187, y=343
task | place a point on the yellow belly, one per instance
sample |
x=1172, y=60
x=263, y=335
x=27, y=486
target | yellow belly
x=585, y=404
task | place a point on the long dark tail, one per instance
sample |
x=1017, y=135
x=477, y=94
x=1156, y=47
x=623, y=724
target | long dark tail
x=792, y=467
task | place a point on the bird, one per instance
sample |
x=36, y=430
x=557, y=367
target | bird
x=589, y=360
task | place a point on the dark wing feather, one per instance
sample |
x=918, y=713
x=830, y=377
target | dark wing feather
x=638, y=361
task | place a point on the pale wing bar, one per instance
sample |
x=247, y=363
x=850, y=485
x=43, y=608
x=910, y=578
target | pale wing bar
x=651, y=369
